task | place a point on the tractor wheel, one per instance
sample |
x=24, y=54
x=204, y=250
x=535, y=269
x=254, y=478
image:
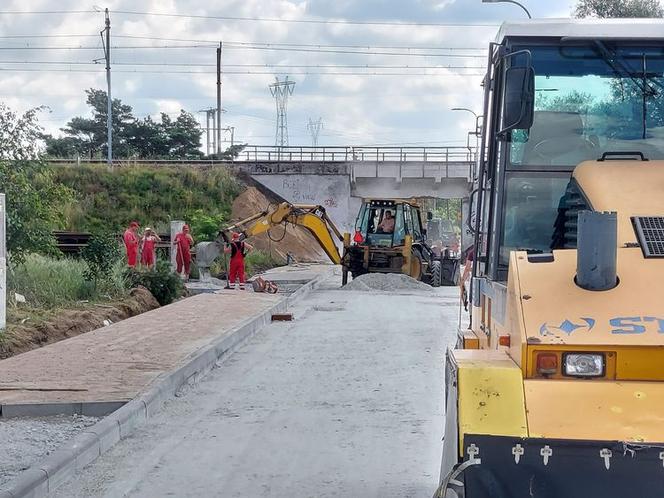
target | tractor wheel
x=344, y=275
x=436, y=274
x=416, y=266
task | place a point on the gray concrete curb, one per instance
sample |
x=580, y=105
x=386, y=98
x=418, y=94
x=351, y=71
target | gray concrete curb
x=45, y=476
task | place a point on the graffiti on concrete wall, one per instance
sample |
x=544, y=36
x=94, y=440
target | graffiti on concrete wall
x=300, y=191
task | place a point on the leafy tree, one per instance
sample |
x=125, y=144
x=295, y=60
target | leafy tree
x=147, y=139
x=184, y=135
x=229, y=154
x=35, y=201
x=618, y=8
x=65, y=147
x=143, y=138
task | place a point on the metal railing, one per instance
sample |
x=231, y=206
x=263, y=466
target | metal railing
x=334, y=154
x=356, y=153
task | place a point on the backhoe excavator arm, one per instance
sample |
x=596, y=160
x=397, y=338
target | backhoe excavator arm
x=312, y=218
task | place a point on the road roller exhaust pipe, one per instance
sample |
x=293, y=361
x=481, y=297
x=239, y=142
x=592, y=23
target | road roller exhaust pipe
x=597, y=250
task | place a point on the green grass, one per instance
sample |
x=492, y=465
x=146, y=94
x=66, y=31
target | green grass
x=154, y=195
x=48, y=283
x=255, y=262
x=258, y=261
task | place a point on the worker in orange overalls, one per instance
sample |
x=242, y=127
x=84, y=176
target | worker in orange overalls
x=183, y=242
x=238, y=250
x=148, y=248
x=131, y=243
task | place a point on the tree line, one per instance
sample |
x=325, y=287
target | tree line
x=143, y=138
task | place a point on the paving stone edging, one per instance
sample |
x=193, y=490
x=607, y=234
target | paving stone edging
x=87, y=446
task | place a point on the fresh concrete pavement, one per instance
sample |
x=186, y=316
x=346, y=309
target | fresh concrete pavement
x=347, y=400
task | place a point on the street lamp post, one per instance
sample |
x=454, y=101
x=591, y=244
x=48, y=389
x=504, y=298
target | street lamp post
x=477, y=118
x=510, y=1
x=477, y=131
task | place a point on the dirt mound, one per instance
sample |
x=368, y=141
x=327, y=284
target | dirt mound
x=293, y=240
x=387, y=282
x=69, y=323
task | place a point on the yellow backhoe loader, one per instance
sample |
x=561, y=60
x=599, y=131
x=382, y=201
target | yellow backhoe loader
x=390, y=238
x=312, y=218
x=556, y=389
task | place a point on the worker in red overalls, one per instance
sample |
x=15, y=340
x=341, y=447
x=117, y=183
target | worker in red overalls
x=131, y=243
x=148, y=248
x=238, y=250
x=183, y=242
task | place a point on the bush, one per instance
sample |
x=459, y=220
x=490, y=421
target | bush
x=164, y=285
x=101, y=253
x=205, y=226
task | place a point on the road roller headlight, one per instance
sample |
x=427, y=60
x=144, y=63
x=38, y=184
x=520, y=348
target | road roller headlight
x=583, y=364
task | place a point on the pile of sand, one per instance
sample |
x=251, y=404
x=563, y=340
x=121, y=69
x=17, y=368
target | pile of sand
x=296, y=241
x=387, y=282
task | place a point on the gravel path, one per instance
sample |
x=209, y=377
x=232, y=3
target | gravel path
x=346, y=400
x=24, y=441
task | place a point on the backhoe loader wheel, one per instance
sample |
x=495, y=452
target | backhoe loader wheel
x=436, y=274
x=416, y=266
x=344, y=276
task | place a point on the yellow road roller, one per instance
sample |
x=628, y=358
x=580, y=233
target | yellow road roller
x=556, y=388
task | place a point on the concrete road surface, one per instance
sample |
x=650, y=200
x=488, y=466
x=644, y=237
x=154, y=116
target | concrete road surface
x=347, y=400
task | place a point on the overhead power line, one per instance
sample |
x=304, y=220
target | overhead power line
x=315, y=50
x=277, y=66
x=330, y=73
x=241, y=43
x=305, y=21
x=256, y=18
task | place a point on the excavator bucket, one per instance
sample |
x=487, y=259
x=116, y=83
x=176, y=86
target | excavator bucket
x=508, y=467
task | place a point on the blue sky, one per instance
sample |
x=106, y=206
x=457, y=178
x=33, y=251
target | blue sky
x=409, y=107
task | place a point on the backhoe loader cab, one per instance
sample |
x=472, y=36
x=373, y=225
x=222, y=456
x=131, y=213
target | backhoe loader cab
x=389, y=238
x=557, y=387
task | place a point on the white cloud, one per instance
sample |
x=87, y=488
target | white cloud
x=408, y=107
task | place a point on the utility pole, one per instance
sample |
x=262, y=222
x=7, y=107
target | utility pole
x=231, y=129
x=280, y=90
x=106, y=43
x=314, y=128
x=218, y=149
x=210, y=139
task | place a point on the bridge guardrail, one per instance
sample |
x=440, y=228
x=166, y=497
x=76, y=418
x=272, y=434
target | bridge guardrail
x=356, y=153
x=299, y=154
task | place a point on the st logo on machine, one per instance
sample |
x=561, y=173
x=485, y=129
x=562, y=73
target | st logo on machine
x=624, y=325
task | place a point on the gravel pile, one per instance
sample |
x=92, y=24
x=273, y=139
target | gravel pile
x=387, y=282
x=25, y=441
